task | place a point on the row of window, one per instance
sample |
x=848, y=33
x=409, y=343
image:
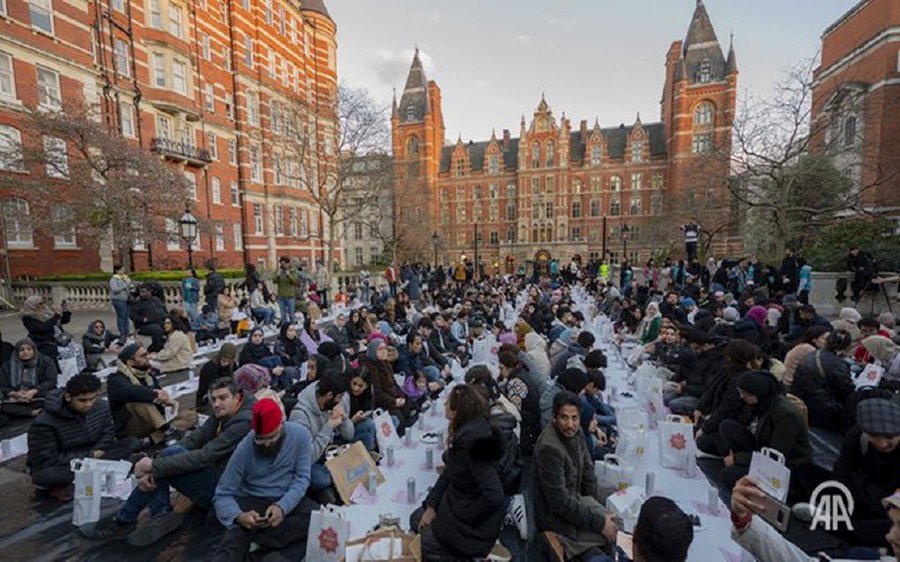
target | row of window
x=40, y=14
x=545, y=233
x=302, y=222
x=359, y=256
x=20, y=230
x=47, y=81
x=657, y=182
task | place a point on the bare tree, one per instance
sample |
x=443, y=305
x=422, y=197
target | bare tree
x=318, y=157
x=98, y=183
x=786, y=162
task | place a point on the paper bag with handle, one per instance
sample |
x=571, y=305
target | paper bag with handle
x=328, y=533
x=351, y=468
x=389, y=544
x=767, y=466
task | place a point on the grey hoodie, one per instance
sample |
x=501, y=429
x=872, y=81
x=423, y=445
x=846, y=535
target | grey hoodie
x=308, y=414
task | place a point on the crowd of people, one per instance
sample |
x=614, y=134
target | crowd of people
x=749, y=361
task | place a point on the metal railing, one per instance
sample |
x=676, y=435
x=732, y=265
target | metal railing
x=173, y=148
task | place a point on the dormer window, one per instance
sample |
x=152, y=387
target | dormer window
x=494, y=164
x=705, y=74
x=596, y=159
x=410, y=113
x=637, y=151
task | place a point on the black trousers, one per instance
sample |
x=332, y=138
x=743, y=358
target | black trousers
x=155, y=331
x=61, y=475
x=432, y=549
x=21, y=409
x=734, y=437
x=289, y=537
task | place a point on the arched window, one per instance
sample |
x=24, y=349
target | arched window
x=535, y=155
x=551, y=148
x=850, y=131
x=704, y=114
x=412, y=147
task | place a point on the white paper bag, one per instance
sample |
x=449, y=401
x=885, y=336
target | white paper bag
x=385, y=432
x=676, y=442
x=68, y=368
x=626, y=503
x=613, y=473
x=768, y=467
x=656, y=408
x=328, y=534
x=870, y=376
x=86, y=498
x=633, y=447
x=648, y=385
x=632, y=419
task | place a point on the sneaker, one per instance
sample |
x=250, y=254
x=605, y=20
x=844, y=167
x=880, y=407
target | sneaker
x=155, y=529
x=517, y=514
x=555, y=548
x=499, y=553
x=803, y=511
x=107, y=529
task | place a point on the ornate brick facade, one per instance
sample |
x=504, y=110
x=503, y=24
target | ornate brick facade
x=556, y=191
x=199, y=82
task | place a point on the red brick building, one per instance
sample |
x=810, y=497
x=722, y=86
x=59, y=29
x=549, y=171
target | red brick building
x=856, y=101
x=202, y=83
x=556, y=191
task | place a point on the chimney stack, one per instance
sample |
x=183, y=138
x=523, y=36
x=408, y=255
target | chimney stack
x=505, y=139
x=583, y=129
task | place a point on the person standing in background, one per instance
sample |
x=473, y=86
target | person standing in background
x=190, y=294
x=285, y=281
x=119, y=291
x=215, y=284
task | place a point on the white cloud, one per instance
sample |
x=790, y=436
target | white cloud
x=564, y=22
x=391, y=67
x=523, y=39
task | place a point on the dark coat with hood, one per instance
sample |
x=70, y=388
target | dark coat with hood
x=721, y=400
x=292, y=351
x=147, y=311
x=384, y=386
x=870, y=474
x=705, y=367
x=211, y=444
x=254, y=353
x=468, y=496
x=824, y=390
x=60, y=434
x=121, y=390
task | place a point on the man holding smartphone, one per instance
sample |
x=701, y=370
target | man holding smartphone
x=260, y=496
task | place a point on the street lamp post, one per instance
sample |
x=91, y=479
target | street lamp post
x=435, y=240
x=624, y=235
x=188, y=224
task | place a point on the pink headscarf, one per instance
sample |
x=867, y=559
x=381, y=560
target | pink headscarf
x=758, y=314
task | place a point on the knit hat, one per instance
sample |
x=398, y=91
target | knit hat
x=688, y=302
x=227, y=350
x=127, y=352
x=731, y=314
x=879, y=416
x=372, y=348
x=251, y=377
x=758, y=314
x=267, y=417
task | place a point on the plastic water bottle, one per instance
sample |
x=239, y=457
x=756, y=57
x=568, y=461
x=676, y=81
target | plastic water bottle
x=373, y=483
x=407, y=437
x=429, y=458
x=390, y=456
x=713, y=500
x=411, y=490
x=650, y=483
x=440, y=440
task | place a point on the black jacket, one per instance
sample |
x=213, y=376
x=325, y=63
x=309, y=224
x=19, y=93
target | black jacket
x=721, y=401
x=209, y=373
x=60, y=434
x=43, y=333
x=747, y=329
x=870, y=474
x=149, y=311
x=701, y=370
x=45, y=372
x=94, y=344
x=824, y=390
x=409, y=363
x=529, y=405
x=215, y=284
x=468, y=496
x=120, y=391
x=781, y=427
x=211, y=444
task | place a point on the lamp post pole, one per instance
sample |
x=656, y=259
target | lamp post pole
x=624, y=234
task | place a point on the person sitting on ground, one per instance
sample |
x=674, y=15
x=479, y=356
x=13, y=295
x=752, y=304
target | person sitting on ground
x=524, y=393
x=261, y=495
x=74, y=424
x=812, y=339
x=312, y=337
x=221, y=365
x=177, y=354
x=148, y=315
x=887, y=353
x=192, y=466
x=257, y=351
x=136, y=399
x=572, y=379
x=867, y=465
x=766, y=544
x=778, y=426
x=462, y=515
x=575, y=525
x=361, y=407
x=413, y=359
x=416, y=388
x=42, y=322
x=226, y=302
x=584, y=341
x=387, y=394
x=823, y=382
x=322, y=409
x=291, y=349
x=663, y=532
x=536, y=349
x=206, y=326
x=868, y=327
x=96, y=341
x=339, y=334
x=25, y=380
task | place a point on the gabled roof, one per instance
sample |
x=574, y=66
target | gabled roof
x=616, y=140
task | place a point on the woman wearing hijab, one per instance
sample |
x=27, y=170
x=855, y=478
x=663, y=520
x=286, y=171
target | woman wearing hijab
x=24, y=381
x=776, y=424
x=41, y=322
x=648, y=330
x=536, y=349
x=387, y=393
x=750, y=327
x=823, y=381
x=256, y=350
x=887, y=353
x=848, y=320
x=288, y=378
x=221, y=365
x=290, y=348
x=96, y=341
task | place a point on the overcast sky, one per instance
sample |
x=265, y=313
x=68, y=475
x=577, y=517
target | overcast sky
x=592, y=58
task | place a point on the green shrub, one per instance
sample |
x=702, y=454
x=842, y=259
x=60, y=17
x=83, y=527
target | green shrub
x=874, y=236
x=140, y=276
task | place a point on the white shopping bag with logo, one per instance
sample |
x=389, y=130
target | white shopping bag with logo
x=633, y=447
x=676, y=442
x=767, y=466
x=612, y=473
x=626, y=503
x=328, y=534
x=648, y=384
x=385, y=432
x=656, y=408
x=632, y=419
x=870, y=376
x=86, y=497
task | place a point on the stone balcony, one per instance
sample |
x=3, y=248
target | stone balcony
x=181, y=152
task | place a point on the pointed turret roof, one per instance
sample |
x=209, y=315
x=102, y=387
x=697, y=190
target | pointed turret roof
x=731, y=63
x=395, y=112
x=701, y=48
x=414, y=103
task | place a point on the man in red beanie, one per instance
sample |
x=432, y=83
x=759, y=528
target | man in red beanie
x=260, y=497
